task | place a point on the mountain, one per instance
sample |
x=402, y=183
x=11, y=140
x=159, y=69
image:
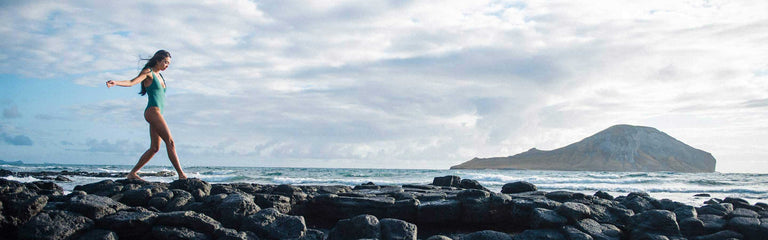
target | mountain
x=618, y=148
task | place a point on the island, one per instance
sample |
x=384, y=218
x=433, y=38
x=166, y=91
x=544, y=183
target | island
x=623, y=148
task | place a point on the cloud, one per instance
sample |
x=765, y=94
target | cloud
x=118, y=146
x=18, y=140
x=11, y=112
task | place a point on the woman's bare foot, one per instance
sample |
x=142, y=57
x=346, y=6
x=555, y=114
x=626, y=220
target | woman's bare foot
x=182, y=176
x=134, y=176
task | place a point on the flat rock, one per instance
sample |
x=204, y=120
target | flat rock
x=55, y=225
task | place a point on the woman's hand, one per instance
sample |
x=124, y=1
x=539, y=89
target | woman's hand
x=111, y=83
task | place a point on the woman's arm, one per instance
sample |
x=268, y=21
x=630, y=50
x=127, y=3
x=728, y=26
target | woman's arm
x=128, y=83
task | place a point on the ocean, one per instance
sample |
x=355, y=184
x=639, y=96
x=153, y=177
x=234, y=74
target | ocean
x=675, y=186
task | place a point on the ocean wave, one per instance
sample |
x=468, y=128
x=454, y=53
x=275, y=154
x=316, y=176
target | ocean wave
x=707, y=182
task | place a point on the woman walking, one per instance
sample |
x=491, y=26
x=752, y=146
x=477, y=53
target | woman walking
x=153, y=84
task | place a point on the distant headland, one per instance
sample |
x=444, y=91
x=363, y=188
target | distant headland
x=618, y=148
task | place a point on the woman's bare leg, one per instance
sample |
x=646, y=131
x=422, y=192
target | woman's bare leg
x=154, y=146
x=157, y=122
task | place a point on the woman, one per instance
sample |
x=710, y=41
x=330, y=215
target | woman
x=153, y=84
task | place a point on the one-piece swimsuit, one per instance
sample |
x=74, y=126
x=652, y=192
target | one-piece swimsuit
x=156, y=93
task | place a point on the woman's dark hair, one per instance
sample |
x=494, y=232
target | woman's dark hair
x=159, y=55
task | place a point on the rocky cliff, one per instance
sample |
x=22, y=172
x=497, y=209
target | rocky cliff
x=618, y=148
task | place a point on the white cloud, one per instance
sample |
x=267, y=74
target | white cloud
x=391, y=80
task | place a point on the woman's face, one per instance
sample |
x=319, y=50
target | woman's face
x=163, y=64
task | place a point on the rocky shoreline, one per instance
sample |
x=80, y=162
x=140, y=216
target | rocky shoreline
x=449, y=208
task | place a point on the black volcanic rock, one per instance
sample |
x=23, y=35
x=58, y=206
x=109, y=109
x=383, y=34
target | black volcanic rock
x=618, y=148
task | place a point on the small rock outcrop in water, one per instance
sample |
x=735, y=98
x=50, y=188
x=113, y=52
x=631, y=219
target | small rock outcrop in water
x=618, y=148
x=130, y=209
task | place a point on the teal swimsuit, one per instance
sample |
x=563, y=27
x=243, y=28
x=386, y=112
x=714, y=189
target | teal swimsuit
x=156, y=93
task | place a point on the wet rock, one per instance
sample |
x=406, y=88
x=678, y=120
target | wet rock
x=279, y=202
x=684, y=212
x=749, y=227
x=518, y=187
x=21, y=207
x=548, y=234
x=712, y=223
x=545, y=218
x=439, y=237
x=691, y=226
x=55, y=225
x=94, y=206
x=188, y=219
x=234, y=208
x=180, y=199
x=660, y=222
x=447, y=181
x=99, y=234
x=487, y=235
x=638, y=202
x=359, y=227
x=471, y=184
x=47, y=188
x=164, y=232
x=196, y=187
x=720, y=209
x=448, y=211
x=597, y=230
x=574, y=211
x=129, y=224
x=726, y=234
x=103, y=188
x=271, y=223
x=396, y=229
x=603, y=195
x=702, y=195
x=743, y=212
x=572, y=233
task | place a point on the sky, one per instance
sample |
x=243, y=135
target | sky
x=381, y=84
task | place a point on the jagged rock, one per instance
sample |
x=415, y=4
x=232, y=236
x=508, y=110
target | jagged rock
x=395, y=229
x=180, y=199
x=691, y=226
x=94, y=206
x=471, y=184
x=439, y=237
x=439, y=212
x=574, y=211
x=720, y=209
x=487, y=235
x=638, y=202
x=196, y=187
x=188, y=219
x=598, y=231
x=128, y=224
x=572, y=233
x=164, y=232
x=46, y=188
x=747, y=226
x=712, y=223
x=603, y=195
x=661, y=222
x=231, y=234
x=684, y=212
x=279, y=202
x=99, y=234
x=560, y=196
x=234, y=208
x=544, y=234
x=20, y=207
x=273, y=224
x=725, y=234
x=104, y=188
x=518, y=187
x=55, y=225
x=313, y=234
x=359, y=227
x=743, y=212
x=447, y=181
x=545, y=218
x=670, y=205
